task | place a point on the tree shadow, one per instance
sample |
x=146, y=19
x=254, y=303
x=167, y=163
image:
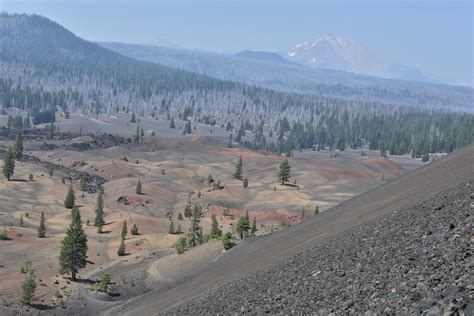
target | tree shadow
x=105, y=232
x=109, y=223
x=83, y=281
x=43, y=307
x=19, y=180
x=113, y=294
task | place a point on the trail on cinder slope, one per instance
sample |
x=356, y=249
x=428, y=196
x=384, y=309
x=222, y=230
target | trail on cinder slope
x=262, y=253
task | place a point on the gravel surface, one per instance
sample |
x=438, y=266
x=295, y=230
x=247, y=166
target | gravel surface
x=417, y=259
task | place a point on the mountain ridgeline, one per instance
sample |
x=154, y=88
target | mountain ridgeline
x=45, y=69
x=272, y=71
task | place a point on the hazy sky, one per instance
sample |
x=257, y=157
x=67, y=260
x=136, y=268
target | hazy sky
x=434, y=35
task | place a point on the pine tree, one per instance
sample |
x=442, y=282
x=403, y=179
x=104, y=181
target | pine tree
x=383, y=151
x=18, y=147
x=103, y=282
x=76, y=215
x=42, y=227
x=238, y=169
x=21, y=220
x=316, y=210
x=137, y=135
x=172, y=124
x=195, y=231
x=216, y=232
x=230, y=145
x=179, y=230
x=284, y=172
x=171, y=229
x=28, y=288
x=227, y=241
x=123, y=234
x=210, y=179
x=50, y=170
x=70, y=199
x=243, y=225
x=142, y=133
x=99, y=209
x=188, y=209
x=138, y=189
x=180, y=216
x=121, y=249
x=83, y=183
x=73, y=254
x=180, y=245
x=245, y=184
x=9, y=164
x=133, y=119
x=134, y=230
x=425, y=158
x=254, y=229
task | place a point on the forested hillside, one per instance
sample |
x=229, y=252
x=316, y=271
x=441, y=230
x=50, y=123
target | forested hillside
x=46, y=68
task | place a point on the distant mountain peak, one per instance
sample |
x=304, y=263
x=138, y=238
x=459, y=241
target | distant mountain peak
x=342, y=53
x=329, y=52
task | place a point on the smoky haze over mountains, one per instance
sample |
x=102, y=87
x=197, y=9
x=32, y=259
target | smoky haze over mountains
x=422, y=40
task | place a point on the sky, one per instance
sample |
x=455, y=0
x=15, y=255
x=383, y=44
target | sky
x=435, y=36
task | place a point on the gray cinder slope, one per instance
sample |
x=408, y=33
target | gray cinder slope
x=413, y=261
x=264, y=252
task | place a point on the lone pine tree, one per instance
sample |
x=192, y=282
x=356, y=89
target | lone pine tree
x=42, y=227
x=18, y=147
x=171, y=228
x=238, y=169
x=8, y=164
x=230, y=145
x=195, y=230
x=83, y=183
x=28, y=288
x=180, y=245
x=227, y=241
x=123, y=234
x=70, y=199
x=121, y=249
x=73, y=254
x=138, y=188
x=245, y=184
x=50, y=170
x=243, y=225
x=216, y=232
x=254, y=229
x=284, y=172
x=99, y=209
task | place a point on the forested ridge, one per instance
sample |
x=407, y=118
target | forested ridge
x=46, y=68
